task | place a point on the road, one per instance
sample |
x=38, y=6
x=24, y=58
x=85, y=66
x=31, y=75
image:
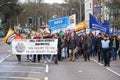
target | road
x=65, y=70
x=81, y=70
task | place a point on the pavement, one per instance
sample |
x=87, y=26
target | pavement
x=10, y=69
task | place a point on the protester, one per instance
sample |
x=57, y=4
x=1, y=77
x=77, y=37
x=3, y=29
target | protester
x=18, y=35
x=58, y=56
x=64, y=47
x=119, y=47
x=72, y=47
x=29, y=57
x=47, y=36
x=79, y=47
x=86, y=47
x=115, y=46
x=105, y=44
x=92, y=45
x=59, y=46
x=98, y=44
x=37, y=36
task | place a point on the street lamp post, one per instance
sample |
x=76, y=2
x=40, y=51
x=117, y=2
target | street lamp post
x=77, y=12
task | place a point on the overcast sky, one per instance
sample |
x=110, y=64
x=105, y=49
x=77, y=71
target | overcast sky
x=47, y=1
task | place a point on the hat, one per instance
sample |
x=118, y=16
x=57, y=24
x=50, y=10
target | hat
x=47, y=30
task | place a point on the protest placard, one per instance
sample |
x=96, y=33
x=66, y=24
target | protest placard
x=34, y=46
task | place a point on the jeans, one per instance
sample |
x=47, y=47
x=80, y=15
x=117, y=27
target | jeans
x=47, y=57
x=114, y=53
x=92, y=51
x=29, y=57
x=64, y=52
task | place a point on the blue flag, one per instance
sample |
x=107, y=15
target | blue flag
x=97, y=25
x=58, y=23
x=111, y=29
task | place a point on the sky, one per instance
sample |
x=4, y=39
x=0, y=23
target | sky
x=48, y=1
x=54, y=1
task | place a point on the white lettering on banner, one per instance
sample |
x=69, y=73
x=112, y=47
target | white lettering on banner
x=34, y=46
x=58, y=22
x=99, y=27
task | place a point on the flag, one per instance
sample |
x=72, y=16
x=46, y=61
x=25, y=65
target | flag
x=97, y=25
x=112, y=29
x=80, y=26
x=106, y=25
x=9, y=37
x=58, y=23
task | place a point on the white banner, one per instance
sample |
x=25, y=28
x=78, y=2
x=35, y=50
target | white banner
x=72, y=22
x=34, y=46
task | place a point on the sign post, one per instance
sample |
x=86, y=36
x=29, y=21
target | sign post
x=0, y=22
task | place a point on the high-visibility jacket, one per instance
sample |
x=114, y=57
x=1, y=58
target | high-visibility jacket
x=18, y=36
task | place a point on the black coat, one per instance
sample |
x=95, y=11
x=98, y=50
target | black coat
x=117, y=43
x=72, y=43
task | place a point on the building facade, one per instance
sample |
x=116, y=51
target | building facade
x=97, y=8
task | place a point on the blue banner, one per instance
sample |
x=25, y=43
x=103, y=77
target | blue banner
x=111, y=29
x=106, y=25
x=58, y=23
x=117, y=32
x=97, y=25
x=96, y=9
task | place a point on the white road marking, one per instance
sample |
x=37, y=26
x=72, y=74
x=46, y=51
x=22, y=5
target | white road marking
x=20, y=72
x=22, y=67
x=46, y=78
x=23, y=78
x=96, y=62
x=107, y=68
x=47, y=68
x=5, y=58
x=80, y=71
x=113, y=71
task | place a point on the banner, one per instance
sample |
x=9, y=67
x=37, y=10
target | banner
x=96, y=9
x=9, y=37
x=80, y=26
x=117, y=32
x=96, y=25
x=58, y=23
x=112, y=30
x=72, y=22
x=34, y=46
x=106, y=25
x=81, y=32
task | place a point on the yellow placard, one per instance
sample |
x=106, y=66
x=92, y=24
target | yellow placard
x=80, y=26
x=9, y=33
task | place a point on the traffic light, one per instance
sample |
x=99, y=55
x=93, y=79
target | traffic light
x=30, y=21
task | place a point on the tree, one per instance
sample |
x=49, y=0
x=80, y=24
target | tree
x=10, y=10
x=114, y=11
x=74, y=7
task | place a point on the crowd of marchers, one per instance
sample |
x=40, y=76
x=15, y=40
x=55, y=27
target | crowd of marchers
x=72, y=46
